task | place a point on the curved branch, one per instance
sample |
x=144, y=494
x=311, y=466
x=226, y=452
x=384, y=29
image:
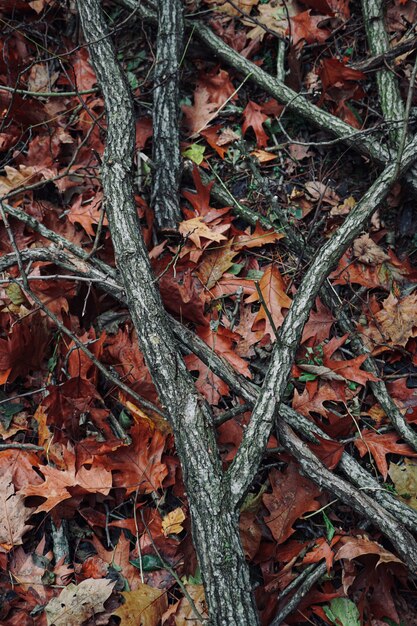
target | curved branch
x=248, y=457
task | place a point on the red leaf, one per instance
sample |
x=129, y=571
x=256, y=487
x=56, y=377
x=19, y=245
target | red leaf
x=379, y=445
x=272, y=287
x=254, y=118
x=304, y=27
x=348, y=369
x=292, y=496
x=328, y=451
x=319, y=324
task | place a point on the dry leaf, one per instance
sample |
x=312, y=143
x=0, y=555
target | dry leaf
x=13, y=513
x=367, y=251
x=143, y=607
x=196, y=228
x=397, y=319
x=185, y=614
x=77, y=603
x=171, y=523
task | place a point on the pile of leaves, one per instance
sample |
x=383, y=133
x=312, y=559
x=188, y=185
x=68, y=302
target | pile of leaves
x=94, y=524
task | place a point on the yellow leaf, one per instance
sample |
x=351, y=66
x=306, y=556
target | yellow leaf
x=171, y=523
x=143, y=607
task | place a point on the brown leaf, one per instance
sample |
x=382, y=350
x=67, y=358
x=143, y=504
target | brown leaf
x=13, y=513
x=260, y=237
x=143, y=606
x=349, y=369
x=77, y=603
x=272, y=287
x=185, y=615
x=254, y=118
x=319, y=323
x=58, y=483
x=358, y=546
x=397, y=318
x=292, y=496
x=195, y=229
x=379, y=445
x=305, y=28
x=367, y=251
x=215, y=263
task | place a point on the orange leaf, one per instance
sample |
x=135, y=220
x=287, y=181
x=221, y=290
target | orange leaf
x=272, y=287
x=379, y=445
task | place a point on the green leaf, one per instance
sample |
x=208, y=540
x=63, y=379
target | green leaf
x=330, y=530
x=193, y=580
x=195, y=153
x=306, y=377
x=343, y=612
x=8, y=411
x=254, y=275
x=150, y=563
x=235, y=269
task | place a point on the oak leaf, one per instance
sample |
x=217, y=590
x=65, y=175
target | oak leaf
x=275, y=299
x=319, y=323
x=138, y=466
x=292, y=496
x=367, y=251
x=349, y=369
x=195, y=229
x=215, y=263
x=354, y=547
x=379, y=445
x=305, y=28
x=60, y=485
x=259, y=238
x=13, y=513
x=185, y=615
x=404, y=478
x=171, y=523
x=254, y=118
x=397, y=319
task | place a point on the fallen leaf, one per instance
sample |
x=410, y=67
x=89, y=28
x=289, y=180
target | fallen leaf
x=292, y=496
x=379, y=445
x=319, y=323
x=77, y=603
x=259, y=238
x=215, y=263
x=185, y=615
x=254, y=118
x=397, y=318
x=367, y=251
x=404, y=477
x=272, y=287
x=353, y=547
x=171, y=523
x=142, y=607
x=195, y=229
x=13, y=513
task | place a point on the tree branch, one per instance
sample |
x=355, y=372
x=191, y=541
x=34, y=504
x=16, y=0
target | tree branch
x=248, y=457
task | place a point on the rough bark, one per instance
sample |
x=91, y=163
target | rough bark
x=166, y=145
x=190, y=417
x=389, y=94
x=361, y=141
x=256, y=435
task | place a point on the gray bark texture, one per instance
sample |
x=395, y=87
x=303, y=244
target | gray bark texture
x=166, y=141
x=215, y=497
x=216, y=537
